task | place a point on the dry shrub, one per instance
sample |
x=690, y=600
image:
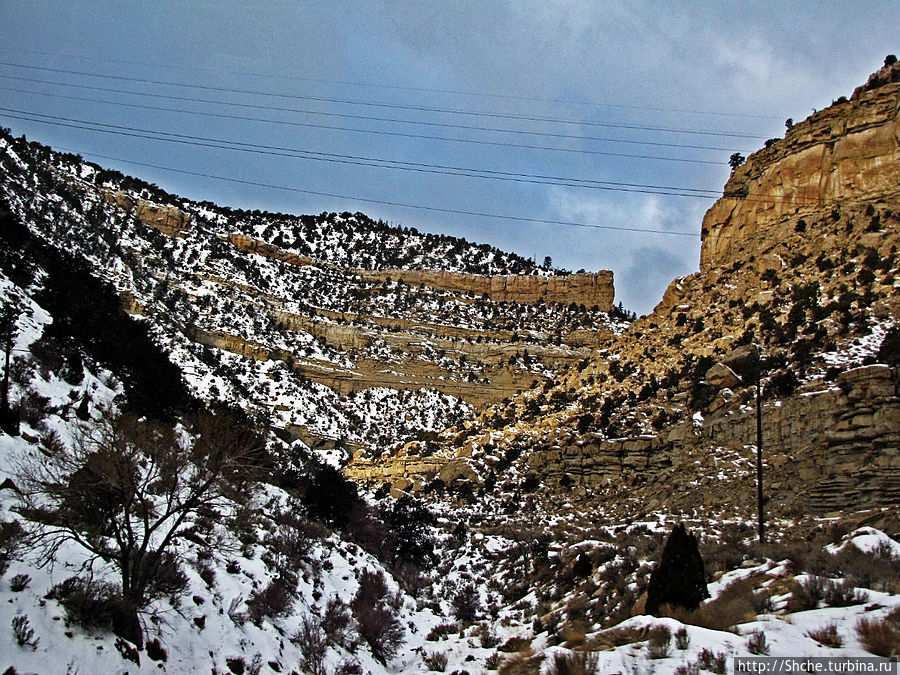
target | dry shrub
x=659, y=642
x=843, y=594
x=515, y=644
x=493, y=661
x=616, y=637
x=688, y=669
x=756, y=643
x=827, y=636
x=881, y=638
x=90, y=604
x=376, y=620
x=736, y=603
x=712, y=661
x=441, y=631
x=815, y=590
x=336, y=623
x=574, y=633
x=272, y=601
x=522, y=663
x=311, y=640
x=573, y=663
x=436, y=661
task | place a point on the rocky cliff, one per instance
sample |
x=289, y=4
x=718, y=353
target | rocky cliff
x=800, y=258
x=281, y=314
x=593, y=289
x=846, y=154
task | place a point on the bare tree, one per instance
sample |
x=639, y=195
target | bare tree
x=128, y=489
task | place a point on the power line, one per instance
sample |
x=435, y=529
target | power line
x=393, y=120
x=468, y=172
x=381, y=202
x=382, y=132
x=294, y=78
x=393, y=106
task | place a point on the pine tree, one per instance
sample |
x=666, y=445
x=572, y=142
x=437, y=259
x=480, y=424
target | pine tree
x=679, y=579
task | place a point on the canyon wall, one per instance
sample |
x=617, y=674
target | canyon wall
x=845, y=154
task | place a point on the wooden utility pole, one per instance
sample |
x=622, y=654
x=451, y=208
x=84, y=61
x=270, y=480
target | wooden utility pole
x=759, y=443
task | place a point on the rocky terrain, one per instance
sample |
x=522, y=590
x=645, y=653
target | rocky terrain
x=183, y=382
x=361, y=340
x=798, y=262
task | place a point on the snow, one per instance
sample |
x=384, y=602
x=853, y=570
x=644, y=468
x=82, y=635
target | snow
x=868, y=540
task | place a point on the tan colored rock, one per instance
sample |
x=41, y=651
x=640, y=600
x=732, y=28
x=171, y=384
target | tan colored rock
x=457, y=469
x=721, y=376
x=849, y=151
x=587, y=289
x=169, y=220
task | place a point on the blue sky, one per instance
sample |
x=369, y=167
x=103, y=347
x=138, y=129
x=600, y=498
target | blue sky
x=725, y=75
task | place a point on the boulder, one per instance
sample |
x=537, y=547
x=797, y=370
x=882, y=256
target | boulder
x=721, y=376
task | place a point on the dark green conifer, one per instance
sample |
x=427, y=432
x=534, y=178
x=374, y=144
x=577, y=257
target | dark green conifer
x=679, y=579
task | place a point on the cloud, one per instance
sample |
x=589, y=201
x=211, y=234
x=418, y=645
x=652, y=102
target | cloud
x=643, y=263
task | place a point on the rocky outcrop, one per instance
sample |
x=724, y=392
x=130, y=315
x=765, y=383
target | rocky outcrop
x=583, y=289
x=827, y=449
x=259, y=247
x=588, y=289
x=496, y=378
x=847, y=153
x=169, y=220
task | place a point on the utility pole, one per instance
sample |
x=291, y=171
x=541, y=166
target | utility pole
x=759, y=444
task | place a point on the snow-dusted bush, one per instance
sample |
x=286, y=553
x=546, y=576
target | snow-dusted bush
x=881, y=638
x=272, y=601
x=465, y=603
x=376, y=621
x=311, y=640
x=682, y=639
x=827, y=636
x=436, y=661
x=19, y=582
x=659, y=642
x=756, y=643
x=126, y=489
x=573, y=663
x=336, y=623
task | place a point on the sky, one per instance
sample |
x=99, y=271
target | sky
x=596, y=133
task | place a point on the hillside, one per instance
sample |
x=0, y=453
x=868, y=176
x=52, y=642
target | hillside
x=334, y=328
x=798, y=263
x=523, y=464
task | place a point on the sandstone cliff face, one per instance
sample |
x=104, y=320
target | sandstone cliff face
x=588, y=289
x=801, y=257
x=829, y=449
x=258, y=247
x=849, y=152
x=169, y=220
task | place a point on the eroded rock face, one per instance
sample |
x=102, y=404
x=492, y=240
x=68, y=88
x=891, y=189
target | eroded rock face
x=258, y=247
x=169, y=220
x=846, y=153
x=831, y=449
x=589, y=289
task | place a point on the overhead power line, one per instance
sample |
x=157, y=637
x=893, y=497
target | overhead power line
x=420, y=167
x=401, y=134
x=382, y=202
x=373, y=85
x=371, y=118
x=393, y=106
x=582, y=151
